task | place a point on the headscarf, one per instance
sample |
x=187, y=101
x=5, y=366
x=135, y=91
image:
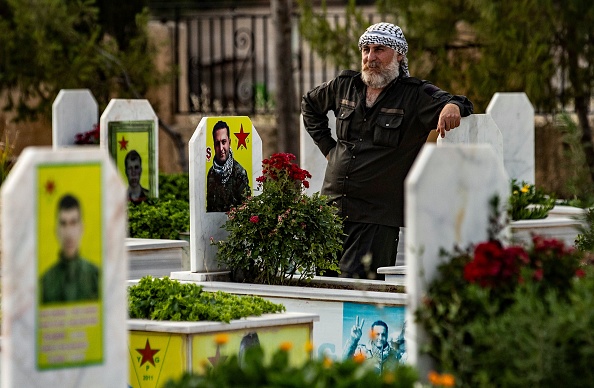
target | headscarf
x=389, y=35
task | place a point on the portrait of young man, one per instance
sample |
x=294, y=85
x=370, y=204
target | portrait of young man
x=72, y=277
x=133, y=165
x=227, y=182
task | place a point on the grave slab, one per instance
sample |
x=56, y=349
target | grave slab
x=312, y=158
x=476, y=129
x=73, y=111
x=57, y=332
x=514, y=115
x=246, y=148
x=130, y=134
x=448, y=192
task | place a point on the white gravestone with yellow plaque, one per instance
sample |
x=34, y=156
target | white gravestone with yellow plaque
x=225, y=160
x=64, y=301
x=129, y=131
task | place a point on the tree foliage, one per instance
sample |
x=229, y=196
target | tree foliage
x=48, y=45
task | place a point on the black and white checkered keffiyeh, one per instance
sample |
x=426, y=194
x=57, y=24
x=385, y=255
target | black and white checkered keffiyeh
x=389, y=35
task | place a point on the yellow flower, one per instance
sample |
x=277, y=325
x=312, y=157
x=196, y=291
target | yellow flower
x=286, y=346
x=359, y=358
x=327, y=362
x=389, y=377
x=309, y=346
x=448, y=380
x=434, y=378
x=221, y=338
x=441, y=380
x=525, y=189
x=515, y=192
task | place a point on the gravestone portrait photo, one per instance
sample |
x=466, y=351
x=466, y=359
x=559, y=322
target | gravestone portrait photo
x=229, y=166
x=72, y=277
x=70, y=249
x=131, y=145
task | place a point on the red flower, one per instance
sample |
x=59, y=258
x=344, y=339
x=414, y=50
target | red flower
x=280, y=165
x=254, y=219
x=580, y=273
x=492, y=264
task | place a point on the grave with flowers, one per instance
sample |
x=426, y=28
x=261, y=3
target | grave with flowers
x=508, y=126
x=75, y=115
x=488, y=311
x=276, y=243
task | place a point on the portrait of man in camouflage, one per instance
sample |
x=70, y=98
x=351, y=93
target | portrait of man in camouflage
x=227, y=181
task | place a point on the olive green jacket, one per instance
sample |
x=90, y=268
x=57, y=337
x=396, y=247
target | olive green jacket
x=70, y=280
x=220, y=197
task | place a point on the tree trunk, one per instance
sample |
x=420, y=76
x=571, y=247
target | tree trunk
x=582, y=111
x=578, y=79
x=287, y=124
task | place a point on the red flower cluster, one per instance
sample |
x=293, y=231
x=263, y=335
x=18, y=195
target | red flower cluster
x=281, y=164
x=89, y=137
x=254, y=219
x=493, y=264
x=548, y=259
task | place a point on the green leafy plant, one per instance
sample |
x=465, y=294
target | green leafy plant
x=255, y=371
x=166, y=299
x=585, y=240
x=175, y=185
x=281, y=234
x=526, y=202
x=489, y=313
x=6, y=156
x=162, y=218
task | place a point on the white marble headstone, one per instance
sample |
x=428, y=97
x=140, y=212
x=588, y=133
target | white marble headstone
x=35, y=332
x=132, y=112
x=514, y=115
x=73, y=111
x=312, y=158
x=206, y=225
x=448, y=191
x=476, y=129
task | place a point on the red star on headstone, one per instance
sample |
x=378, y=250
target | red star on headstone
x=241, y=137
x=123, y=144
x=217, y=357
x=148, y=354
x=50, y=187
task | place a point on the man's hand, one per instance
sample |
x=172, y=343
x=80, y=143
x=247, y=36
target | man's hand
x=448, y=118
x=357, y=330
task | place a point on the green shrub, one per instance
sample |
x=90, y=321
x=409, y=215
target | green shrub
x=161, y=218
x=526, y=202
x=507, y=316
x=175, y=185
x=254, y=371
x=169, y=300
x=585, y=240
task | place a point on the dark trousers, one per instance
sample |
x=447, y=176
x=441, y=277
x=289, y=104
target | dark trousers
x=366, y=247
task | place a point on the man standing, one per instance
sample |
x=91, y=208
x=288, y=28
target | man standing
x=72, y=278
x=383, y=118
x=227, y=181
x=133, y=164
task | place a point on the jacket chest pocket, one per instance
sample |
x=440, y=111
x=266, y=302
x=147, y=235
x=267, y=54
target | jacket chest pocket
x=343, y=120
x=387, y=131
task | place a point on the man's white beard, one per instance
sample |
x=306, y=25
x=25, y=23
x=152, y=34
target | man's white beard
x=384, y=77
